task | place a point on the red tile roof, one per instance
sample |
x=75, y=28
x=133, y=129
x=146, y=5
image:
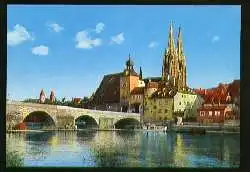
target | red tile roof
x=223, y=93
x=109, y=90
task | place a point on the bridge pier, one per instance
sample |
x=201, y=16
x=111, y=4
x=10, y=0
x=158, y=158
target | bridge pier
x=106, y=123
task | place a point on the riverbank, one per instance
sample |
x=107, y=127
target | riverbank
x=176, y=129
x=206, y=129
x=45, y=130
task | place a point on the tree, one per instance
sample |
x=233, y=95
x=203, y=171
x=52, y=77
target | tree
x=63, y=100
x=31, y=100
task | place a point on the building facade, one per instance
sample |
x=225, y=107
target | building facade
x=118, y=92
x=159, y=106
x=186, y=104
x=220, y=104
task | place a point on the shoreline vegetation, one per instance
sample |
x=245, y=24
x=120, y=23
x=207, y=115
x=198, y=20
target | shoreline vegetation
x=13, y=159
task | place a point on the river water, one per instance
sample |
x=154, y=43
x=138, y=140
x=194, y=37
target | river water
x=125, y=149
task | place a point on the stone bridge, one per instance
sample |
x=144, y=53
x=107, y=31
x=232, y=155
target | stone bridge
x=64, y=116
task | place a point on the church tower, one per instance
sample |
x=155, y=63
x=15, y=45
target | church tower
x=170, y=60
x=174, y=62
x=182, y=62
x=42, y=97
x=128, y=81
x=52, y=97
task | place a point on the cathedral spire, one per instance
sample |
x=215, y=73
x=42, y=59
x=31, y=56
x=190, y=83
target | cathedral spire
x=182, y=60
x=180, y=51
x=171, y=47
x=179, y=43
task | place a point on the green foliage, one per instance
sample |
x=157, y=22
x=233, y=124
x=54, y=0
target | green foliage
x=13, y=159
x=62, y=102
x=31, y=100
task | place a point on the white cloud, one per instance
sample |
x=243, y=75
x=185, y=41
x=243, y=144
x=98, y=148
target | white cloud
x=118, y=39
x=99, y=27
x=40, y=50
x=152, y=44
x=55, y=27
x=85, y=41
x=18, y=35
x=215, y=39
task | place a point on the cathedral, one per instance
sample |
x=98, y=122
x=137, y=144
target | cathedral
x=127, y=91
x=174, y=61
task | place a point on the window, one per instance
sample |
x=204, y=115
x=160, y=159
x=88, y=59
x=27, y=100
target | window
x=166, y=111
x=202, y=113
x=210, y=113
x=155, y=107
x=179, y=103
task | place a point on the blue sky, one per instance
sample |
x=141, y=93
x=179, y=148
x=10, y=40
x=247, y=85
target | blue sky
x=68, y=49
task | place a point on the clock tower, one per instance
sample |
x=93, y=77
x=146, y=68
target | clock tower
x=128, y=81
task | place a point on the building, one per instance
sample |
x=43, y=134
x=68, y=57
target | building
x=52, y=97
x=129, y=81
x=159, y=105
x=156, y=98
x=76, y=100
x=220, y=104
x=174, y=61
x=136, y=99
x=159, y=101
x=186, y=104
x=42, y=97
x=216, y=113
x=119, y=91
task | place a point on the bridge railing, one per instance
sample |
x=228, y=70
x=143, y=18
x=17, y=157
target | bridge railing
x=98, y=111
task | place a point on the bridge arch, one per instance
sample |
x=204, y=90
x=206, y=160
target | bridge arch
x=127, y=123
x=39, y=120
x=86, y=121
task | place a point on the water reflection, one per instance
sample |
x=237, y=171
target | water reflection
x=125, y=149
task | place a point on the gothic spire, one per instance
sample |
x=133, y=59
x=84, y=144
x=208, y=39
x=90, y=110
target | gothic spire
x=180, y=46
x=42, y=93
x=140, y=75
x=171, y=47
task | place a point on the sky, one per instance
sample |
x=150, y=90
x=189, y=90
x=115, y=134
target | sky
x=69, y=48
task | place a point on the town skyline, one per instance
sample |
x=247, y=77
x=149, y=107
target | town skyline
x=214, y=54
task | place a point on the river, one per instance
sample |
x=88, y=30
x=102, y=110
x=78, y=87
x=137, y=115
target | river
x=124, y=149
